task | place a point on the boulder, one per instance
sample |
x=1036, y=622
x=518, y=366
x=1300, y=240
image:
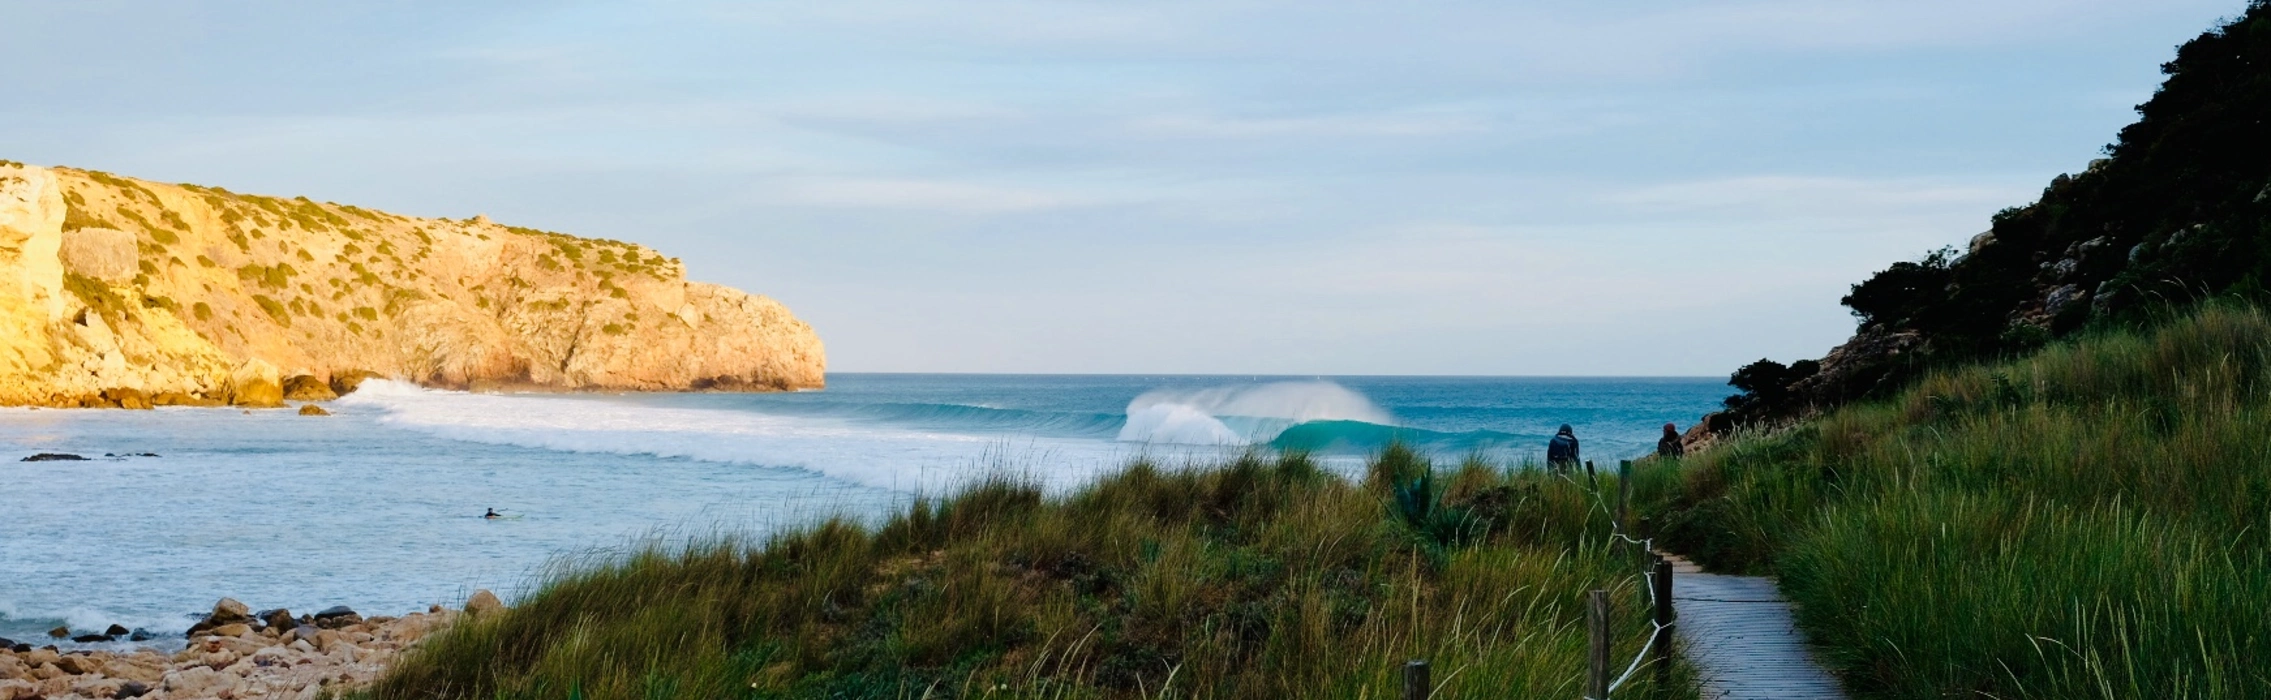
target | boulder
x=79, y=664
x=238, y=629
x=131, y=689
x=279, y=619
x=483, y=603
x=175, y=398
x=226, y=612
x=140, y=635
x=15, y=689
x=301, y=387
x=55, y=457
x=59, y=632
x=198, y=682
x=344, y=383
x=254, y=384
x=106, y=254
x=91, y=638
x=117, y=631
x=310, y=409
x=127, y=398
x=337, y=616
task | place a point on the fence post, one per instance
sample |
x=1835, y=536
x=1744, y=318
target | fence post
x=1624, y=495
x=1593, y=479
x=1597, y=618
x=1664, y=619
x=1416, y=684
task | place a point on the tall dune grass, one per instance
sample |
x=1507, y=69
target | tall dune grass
x=1263, y=577
x=2088, y=522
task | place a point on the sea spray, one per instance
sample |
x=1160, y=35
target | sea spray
x=1243, y=415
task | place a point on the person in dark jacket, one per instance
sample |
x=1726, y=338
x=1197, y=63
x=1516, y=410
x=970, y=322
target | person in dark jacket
x=1561, y=452
x=1670, y=445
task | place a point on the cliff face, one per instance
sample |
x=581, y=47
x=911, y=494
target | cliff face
x=114, y=290
x=2178, y=211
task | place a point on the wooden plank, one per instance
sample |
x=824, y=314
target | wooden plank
x=1743, y=640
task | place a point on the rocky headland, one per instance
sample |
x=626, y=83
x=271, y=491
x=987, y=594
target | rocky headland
x=233, y=653
x=117, y=292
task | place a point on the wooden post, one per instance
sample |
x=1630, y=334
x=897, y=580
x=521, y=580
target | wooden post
x=1624, y=496
x=1416, y=684
x=1597, y=617
x=1591, y=478
x=1664, y=618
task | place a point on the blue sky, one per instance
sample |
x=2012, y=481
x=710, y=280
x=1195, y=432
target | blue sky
x=1311, y=187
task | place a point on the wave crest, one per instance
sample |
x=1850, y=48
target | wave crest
x=1243, y=415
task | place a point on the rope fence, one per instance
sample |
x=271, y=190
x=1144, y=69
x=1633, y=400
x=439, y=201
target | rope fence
x=1655, y=651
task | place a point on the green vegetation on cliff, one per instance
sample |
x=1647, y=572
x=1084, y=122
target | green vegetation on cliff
x=1259, y=578
x=2179, y=211
x=2086, y=522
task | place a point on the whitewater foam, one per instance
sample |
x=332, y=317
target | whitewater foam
x=862, y=453
x=1242, y=415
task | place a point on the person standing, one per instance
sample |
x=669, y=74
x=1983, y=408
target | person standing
x=1670, y=444
x=1561, y=451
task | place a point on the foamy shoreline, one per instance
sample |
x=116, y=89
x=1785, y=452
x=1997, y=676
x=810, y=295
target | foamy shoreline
x=234, y=654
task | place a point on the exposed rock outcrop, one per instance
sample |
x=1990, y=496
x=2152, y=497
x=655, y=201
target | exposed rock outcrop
x=188, y=295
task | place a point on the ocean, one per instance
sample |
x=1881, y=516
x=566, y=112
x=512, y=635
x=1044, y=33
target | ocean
x=378, y=506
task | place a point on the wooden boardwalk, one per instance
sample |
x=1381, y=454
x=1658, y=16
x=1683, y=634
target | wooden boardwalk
x=1738, y=632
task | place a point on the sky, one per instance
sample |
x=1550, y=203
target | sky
x=1308, y=187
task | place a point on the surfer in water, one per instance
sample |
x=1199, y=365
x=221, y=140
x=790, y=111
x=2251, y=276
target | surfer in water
x=492, y=515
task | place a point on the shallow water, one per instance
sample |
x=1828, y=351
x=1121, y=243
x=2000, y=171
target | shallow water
x=378, y=506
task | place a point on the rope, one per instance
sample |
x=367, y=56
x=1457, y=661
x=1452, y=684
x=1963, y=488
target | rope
x=1657, y=631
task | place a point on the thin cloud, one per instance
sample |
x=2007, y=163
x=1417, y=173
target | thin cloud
x=929, y=195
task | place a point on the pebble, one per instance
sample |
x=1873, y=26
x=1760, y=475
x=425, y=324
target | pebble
x=297, y=663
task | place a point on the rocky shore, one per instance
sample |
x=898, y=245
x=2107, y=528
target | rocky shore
x=234, y=653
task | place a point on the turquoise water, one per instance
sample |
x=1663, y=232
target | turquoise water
x=377, y=506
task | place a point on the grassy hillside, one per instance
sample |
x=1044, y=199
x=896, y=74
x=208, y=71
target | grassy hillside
x=2088, y=522
x=1259, y=578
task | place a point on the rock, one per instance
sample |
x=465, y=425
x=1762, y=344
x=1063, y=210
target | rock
x=37, y=657
x=482, y=603
x=106, y=254
x=17, y=689
x=337, y=617
x=176, y=398
x=46, y=671
x=20, y=648
x=55, y=457
x=301, y=387
x=139, y=635
x=6, y=643
x=131, y=689
x=79, y=664
x=59, y=632
x=116, y=631
x=11, y=668
x=280, y=619
x=91, y=638
x=254, y=385
x=126, y=398
x=344, y=383
x=313, y=410
x=226, y=612
x=198, y=682
x=237, y=629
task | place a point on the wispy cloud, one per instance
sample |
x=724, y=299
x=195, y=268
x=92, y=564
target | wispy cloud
x=915, y=194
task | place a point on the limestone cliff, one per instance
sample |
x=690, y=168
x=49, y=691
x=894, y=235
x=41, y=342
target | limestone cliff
x=115, y=291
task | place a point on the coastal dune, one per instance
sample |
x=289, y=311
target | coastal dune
x=117, y=292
